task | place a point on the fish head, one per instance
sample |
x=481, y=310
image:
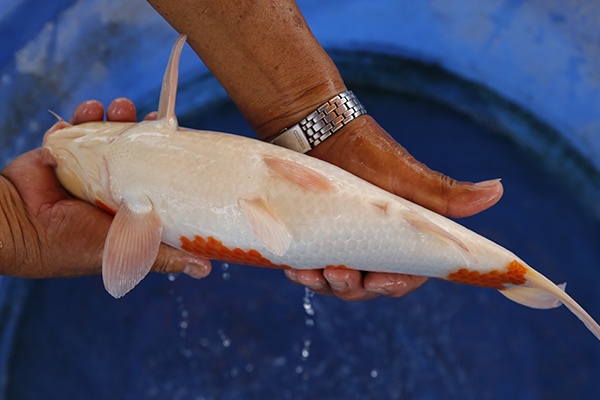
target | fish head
x=78, y=154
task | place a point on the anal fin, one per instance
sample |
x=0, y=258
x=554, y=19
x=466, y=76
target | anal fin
x=532, y=297
x=131, y=247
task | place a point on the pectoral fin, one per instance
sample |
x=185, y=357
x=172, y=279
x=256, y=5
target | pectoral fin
x=131, y=247
x=266, y=224
x=425, y=226
x=299, y=175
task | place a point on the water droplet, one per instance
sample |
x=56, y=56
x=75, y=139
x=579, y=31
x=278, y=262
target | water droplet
x=225, y=341
x=374, y=373
x=305, y=352
x=171, y=277
x=307, y=302
x=225, y=268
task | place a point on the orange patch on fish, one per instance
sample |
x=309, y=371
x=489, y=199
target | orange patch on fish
x=341, y=266
x=101, y=205
x=214, y=249
x=514, y=275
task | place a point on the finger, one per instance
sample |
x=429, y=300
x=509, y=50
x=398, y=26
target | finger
x=121, y=110
x=151, y=116
x=347, y=284
x=369, y=152
x=312, y=278
x=88, y=111
x=173, y=261
x=392, y=285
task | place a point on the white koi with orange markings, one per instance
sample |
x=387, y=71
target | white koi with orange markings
x=236, y=199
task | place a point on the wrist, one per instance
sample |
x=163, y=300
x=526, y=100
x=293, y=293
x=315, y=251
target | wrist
x=292, y=104
x=329, y=118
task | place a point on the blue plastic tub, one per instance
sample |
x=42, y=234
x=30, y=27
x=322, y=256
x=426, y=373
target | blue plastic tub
x=477, y=89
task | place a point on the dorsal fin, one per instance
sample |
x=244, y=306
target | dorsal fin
x=168, y=92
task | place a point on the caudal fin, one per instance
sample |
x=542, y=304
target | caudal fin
x=545, y=294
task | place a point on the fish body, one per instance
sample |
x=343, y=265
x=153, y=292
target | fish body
x=236, y=199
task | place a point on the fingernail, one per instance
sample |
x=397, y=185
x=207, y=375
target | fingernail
x=339, y=286
x=196, y=271
x=121, y=110
x=488, y=184
x=291, y=275
x=379, y=291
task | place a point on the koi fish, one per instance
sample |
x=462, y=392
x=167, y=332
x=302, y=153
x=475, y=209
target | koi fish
x=250, y=202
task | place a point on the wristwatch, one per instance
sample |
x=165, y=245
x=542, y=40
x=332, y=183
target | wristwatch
x=321, y=123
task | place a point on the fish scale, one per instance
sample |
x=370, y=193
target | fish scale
x=236, y=199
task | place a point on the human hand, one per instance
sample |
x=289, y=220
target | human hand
x=53, y=235
x=368, y=151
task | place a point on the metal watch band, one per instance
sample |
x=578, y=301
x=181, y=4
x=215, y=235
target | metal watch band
x=321, y=123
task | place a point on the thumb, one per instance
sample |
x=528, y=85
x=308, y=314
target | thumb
x=369, y=152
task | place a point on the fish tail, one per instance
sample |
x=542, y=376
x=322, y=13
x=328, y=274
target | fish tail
x=540, y=292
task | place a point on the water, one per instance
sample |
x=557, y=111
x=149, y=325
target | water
x=249, y=333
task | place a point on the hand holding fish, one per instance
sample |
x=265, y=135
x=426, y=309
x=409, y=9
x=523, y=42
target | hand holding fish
x=265, y=56
x=457, y=199
x=44, y=233
x=369, y=152
x=273, y=207
x=345, y=284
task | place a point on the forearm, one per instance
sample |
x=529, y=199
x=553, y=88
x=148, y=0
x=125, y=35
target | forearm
x=262, y=52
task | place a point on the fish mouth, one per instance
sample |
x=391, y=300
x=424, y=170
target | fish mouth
x=58, y=126
x=48, y=156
